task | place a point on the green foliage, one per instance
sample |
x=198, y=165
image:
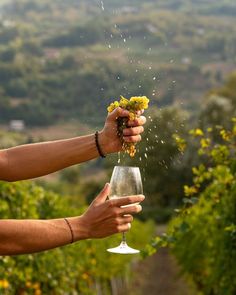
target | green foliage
x=130, y=50
x=220, y=105
x=8, y=72
x=161, y=161
x=7, y=55
x=203, y=236
x=75, y=269
x=91, y=33
x=9, y=139
x=7, y=35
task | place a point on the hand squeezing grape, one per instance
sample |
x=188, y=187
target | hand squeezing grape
x=133, y=105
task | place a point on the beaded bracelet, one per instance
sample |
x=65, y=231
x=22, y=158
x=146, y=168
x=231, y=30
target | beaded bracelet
x=98, y=146
x=71, y=231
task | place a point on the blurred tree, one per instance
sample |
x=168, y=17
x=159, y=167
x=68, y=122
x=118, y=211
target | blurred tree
x=7, y=55
x=220, y=105
x=32, y=47
x=8, y=72
x=70, y=175
x=8, y=34
x=17, y=88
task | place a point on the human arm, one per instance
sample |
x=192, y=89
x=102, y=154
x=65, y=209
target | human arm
x=34, y=160
x=101, y=219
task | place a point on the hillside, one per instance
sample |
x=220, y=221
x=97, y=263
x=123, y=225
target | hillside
x=62, y=60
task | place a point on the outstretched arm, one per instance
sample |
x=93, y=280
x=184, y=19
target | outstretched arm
x=103, y=218
x=34, y=160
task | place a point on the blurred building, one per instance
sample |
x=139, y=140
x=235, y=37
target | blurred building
x=17, y=125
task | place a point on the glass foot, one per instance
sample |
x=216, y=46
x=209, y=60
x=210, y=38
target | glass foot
x=123, y=248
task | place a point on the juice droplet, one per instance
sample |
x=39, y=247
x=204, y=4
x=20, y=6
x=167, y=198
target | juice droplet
x=118, y=161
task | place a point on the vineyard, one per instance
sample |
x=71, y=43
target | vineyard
x=62, y=64
x=203, y=235
x=84, y=268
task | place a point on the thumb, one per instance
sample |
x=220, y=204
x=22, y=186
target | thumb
x=118, y=112
x=102, y=196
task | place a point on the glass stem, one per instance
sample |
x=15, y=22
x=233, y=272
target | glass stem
x=123, y=237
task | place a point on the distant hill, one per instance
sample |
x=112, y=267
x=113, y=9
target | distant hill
x=65, y=59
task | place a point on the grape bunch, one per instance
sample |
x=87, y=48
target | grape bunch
x=134, y=104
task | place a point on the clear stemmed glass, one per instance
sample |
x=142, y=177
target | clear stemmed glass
x=125, y=181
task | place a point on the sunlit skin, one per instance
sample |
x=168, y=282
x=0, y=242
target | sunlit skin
x=102, y=218
x=34, y=160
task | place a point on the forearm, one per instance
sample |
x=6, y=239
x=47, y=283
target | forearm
x=29, y=236
x=34, y=160
x=102, y=219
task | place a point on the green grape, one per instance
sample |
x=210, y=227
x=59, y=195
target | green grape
x=134, y=104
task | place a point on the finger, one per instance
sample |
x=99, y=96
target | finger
x=132, y=209
x=101, y=198
x=133, y=131
x=139, y=113
x=124, y=227
x=125, y=219
x=137, y=122
x=118, y=112
x=118, y=202
x=133, y=138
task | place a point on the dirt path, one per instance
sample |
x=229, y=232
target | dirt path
x=159, y=275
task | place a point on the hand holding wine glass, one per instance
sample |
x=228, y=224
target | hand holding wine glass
x=106, y=217
x=125, y=181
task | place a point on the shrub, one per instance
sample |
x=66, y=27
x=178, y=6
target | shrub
x=203, y=235
x=81, y=268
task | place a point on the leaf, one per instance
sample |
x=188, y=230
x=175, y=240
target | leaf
x=184, y=227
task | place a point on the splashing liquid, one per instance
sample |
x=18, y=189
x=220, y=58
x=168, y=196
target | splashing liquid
x=118, y=160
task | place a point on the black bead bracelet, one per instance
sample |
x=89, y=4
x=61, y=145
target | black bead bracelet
x=98, y=146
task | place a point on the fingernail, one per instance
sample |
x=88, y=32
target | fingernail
x=139, y=208
x=107, y=185
x=142, y=197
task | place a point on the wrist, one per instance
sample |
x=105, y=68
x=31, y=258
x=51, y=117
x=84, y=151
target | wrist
x=80, y=228
x=108, y=144
x=103, y=143
x=98, y=144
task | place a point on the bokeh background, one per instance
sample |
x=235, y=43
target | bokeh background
x=61, y=64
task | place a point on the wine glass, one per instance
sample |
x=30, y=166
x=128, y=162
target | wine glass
x=125, y=181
